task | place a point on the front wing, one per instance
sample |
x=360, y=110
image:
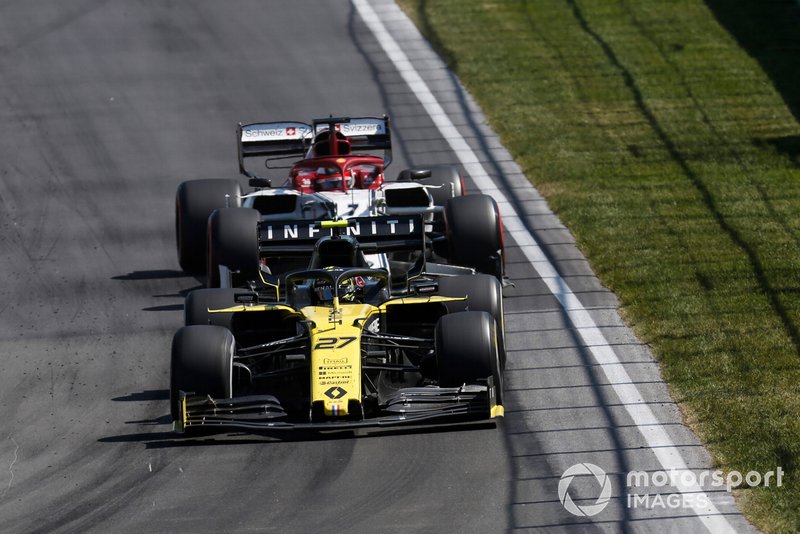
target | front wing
x=408, y=406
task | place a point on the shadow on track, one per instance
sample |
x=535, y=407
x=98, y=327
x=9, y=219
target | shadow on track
x=155, y=274
x=165, y=438
x=145, y=395
x=163, y=274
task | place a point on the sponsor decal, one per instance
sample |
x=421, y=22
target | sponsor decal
x=285, y=231
x=352, y=128
x=335, y=375
x=357, y=127
x=335, y=393
x=274, y=132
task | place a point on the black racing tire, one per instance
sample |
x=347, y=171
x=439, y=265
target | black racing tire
x=446, y=176
x=233, y=242
x=475, y=234
x=202, y=363
x=467, y=350
x=484, y=293
x=199, y=301
x=194, y=202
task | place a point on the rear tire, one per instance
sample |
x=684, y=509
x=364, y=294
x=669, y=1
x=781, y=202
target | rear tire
x=484, y=293
x=194, y=202
x=233, y=242
x=466, y=350
x=202, y=364
x=446, y=176
x=475, y=234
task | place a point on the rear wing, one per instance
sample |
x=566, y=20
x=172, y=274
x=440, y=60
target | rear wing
x=275, y=140
x=364, y=133
x=272, y=140
x=374, y=234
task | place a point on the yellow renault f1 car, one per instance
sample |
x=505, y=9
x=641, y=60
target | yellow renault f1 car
x=340, y=347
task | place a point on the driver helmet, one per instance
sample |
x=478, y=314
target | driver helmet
x=328, y=181
x=347, y=290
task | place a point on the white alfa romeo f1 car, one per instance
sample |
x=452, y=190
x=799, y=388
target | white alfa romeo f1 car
x=334, y=174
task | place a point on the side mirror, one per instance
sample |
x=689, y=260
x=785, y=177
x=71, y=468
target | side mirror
x=411, y=175
x=260, y=182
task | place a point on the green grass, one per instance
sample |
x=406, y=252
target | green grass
x=672, y=156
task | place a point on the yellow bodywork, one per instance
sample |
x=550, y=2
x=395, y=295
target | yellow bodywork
x=336, y=354
x=335, y=366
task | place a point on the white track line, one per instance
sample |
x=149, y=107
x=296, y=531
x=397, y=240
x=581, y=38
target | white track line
x=651, y=429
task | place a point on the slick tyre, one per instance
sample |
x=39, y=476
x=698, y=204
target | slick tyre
x=466, y=350
x=484, y=293
x=475, y=234
x=233, y=242
x=446, y=177
x=202, y=364
x=194, y=202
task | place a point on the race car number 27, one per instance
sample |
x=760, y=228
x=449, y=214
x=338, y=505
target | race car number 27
x=333, y=342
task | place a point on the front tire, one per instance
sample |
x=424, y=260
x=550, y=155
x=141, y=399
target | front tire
x=467, y=351
x=202, y=364
x=484, y=293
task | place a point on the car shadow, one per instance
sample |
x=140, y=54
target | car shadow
x=209, y=437
x=155, y=274
x=144, y=395
x=163, y=274
x=157, y=432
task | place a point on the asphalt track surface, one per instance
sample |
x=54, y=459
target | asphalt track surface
x=105, y=106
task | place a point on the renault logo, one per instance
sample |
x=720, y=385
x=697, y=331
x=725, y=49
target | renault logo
x=335, y=393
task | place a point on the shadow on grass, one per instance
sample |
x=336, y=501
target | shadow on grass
x=696, y=180
x=787, y=145
x=430, y=33
x=768, y=31
x=548, y=464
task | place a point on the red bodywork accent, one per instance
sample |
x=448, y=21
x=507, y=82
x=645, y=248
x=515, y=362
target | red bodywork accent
x=332, y=167
x=337, y=173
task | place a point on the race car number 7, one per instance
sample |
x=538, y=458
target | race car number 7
x=331, y=342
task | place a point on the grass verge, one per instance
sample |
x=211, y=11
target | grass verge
x=667, y=143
